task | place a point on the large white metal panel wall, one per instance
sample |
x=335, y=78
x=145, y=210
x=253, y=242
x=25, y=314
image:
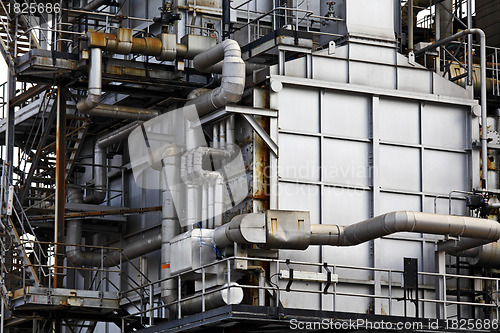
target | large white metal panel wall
x=349, y=156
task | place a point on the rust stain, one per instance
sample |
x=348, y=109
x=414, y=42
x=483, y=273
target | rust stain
x=206, y=3
x=133, y=71
x=97, y=39
x=261, y=166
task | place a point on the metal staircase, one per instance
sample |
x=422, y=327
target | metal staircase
x=39, y=154
x=16, y=34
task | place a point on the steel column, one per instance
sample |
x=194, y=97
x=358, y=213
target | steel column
x=60, y=184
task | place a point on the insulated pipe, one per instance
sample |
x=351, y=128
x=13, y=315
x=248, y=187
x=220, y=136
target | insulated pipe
x=230, y=131
x=410, y=25
x=211, y=211
x=222, y=134
x=404, y=221
x=215, y=136
x=212, y=300
x=233, y=76
x=486, y=255
x=121, y=112
x=462, y=247
x=218, y=201
x=204, y=205
x=169, y=223
x=254, y=229
x=100, y=159
x=484, y=113
x=95, y=82
x=90, y=105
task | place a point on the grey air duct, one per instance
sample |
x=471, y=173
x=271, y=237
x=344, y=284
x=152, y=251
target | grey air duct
x=293, y=230
x=233, y=76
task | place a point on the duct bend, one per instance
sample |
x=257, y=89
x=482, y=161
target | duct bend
x=233, y=76
x=95, y=82
x=90, y=105
x=100, y=158
x=285, y=233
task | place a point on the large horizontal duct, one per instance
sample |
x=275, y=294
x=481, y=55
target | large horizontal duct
x=292, y=230
x=404, y=221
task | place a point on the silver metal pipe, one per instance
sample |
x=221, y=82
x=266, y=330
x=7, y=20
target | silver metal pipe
x=218, y=201
x=231, y=295
x=170, y=223
x=204, y=205
x=253, y=229
x=91, y=106
x=233, y=76
x=405, y=221
x=410, y=25
x=230, y=131
x=462, y=246
x=100, y=161
x=121, y=112
x=215, y=136
x=484, y=112
x=95, y=82
x=222, y=134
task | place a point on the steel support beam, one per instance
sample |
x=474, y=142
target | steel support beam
x=9, y=134
x=262, y=133
x=60, y=184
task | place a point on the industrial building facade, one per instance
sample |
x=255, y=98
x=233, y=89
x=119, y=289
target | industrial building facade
x=249, y=166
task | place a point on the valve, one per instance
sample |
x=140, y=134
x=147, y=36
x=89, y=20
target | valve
x=167, y=17
x=331, y=10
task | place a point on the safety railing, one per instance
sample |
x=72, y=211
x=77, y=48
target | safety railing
x=390, y=281
x=98, y=276
x=292, y=17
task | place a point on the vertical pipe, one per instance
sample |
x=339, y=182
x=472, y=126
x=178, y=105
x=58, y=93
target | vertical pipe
x=169, y=223
x=230, y=130
x=437, y=24
x=470, y=58
x=218, y=201
x=211, y=214
x=222, y=134
x=60, y=185
x=226, y=18
x=191, y=196
x=215, y=136
x=262, y=284
x=204, y=205
x=484, y=112
x=410, y=25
